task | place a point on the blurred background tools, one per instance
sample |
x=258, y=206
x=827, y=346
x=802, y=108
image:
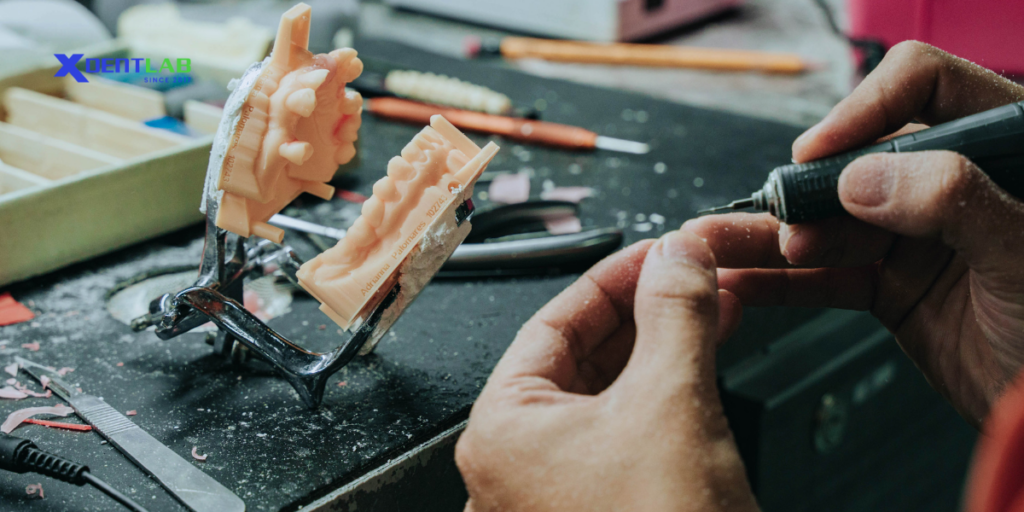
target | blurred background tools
x=510, y=240
x=194, y=488
x=593, y=20
x=655, y=55
x=23, y=456
x=524, y=130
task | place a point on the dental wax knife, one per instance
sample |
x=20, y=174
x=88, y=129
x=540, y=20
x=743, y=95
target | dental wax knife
x=195, y=489
x=993, y=140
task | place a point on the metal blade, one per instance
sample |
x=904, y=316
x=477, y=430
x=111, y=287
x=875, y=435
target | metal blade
x=56, y=383
x=194, y=488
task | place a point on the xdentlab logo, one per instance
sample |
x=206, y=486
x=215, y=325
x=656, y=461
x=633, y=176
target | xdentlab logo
x=178, y=70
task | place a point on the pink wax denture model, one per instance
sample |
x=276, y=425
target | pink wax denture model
x=407, y=229
x=287, y=127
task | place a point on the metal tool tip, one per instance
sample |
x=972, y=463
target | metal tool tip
x=712, y=209
x=738, y=204
x=623, y=146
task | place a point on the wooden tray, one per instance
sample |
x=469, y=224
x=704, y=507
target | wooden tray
x=81, y=175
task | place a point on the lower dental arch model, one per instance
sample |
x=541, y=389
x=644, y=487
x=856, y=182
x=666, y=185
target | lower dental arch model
x=297, y=124
x=400, y=226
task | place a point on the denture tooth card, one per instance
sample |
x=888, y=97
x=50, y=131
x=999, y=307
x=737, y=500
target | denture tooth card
x=288, y=125
x=418, y=195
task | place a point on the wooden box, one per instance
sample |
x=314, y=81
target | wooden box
x=81, y=175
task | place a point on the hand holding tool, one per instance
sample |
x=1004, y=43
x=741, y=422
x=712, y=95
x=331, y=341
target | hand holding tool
x=21, y=456
x=993, y=140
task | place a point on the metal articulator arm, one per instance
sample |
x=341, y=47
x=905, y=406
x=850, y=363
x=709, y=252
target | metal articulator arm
x=217, y=296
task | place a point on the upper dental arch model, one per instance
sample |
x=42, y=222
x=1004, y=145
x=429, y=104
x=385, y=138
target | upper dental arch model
x=294, y=129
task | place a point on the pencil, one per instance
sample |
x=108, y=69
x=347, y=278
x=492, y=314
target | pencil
x=524, y=130
x=652, y=55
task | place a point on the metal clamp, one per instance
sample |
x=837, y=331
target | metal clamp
x=217, y=296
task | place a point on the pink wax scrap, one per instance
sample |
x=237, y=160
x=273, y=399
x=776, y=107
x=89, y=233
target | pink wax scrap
x=563, y=225
x=196, y=456
x=45, y=381
x=120, y=364
x=571, y=194
x=12, y=369
x=64, y=371
x=132, y=412
x=11, y=394
x=13, y=312
x=34, y=346
x=510, y=188
x=12, y=381
x=16, y=417
x=24, y=389
x=34, y=489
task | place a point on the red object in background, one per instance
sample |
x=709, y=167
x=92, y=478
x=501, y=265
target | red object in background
x=987, y=32
x=12, y=311
x=350, y=196
x=997, y=474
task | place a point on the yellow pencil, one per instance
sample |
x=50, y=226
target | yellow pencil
x=652, y=55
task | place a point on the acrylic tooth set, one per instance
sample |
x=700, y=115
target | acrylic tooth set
x=286, y=127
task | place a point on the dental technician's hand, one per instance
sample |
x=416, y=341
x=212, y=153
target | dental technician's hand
x=934, y=249
x=565, y=423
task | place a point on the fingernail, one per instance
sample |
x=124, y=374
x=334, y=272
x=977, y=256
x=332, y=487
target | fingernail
x=804, y=137
x=686, y=248
x=866, y=182
x=783, y=238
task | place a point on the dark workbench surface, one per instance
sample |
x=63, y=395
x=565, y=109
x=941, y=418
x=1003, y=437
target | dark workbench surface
x=262, y=443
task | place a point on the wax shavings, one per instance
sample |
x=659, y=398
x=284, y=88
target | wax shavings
x=35, y=489
x=13, y=312
x=34, y=346
x=571, y=194
x=196, y=456
x=342, y=384
x=64, y=371
x=45, y=381
x=12, y=369
x=510, y=188
x=56, y=424
x=132, y=412
x=17, y=417
x=563, y=225
x=24, y=389
x=120, y=364
x=11, y=394
x=12, y=381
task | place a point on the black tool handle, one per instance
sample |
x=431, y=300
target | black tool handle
x=21, y=455
x=994, y=140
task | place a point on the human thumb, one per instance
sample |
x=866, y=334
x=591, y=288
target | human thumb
x=676, y=313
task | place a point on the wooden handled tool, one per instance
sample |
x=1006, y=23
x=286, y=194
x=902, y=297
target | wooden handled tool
x=525, y=130
x=651, y=55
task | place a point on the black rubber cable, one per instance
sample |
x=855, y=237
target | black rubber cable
x=873, y=50
x=113, y=493
x=22, y=456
